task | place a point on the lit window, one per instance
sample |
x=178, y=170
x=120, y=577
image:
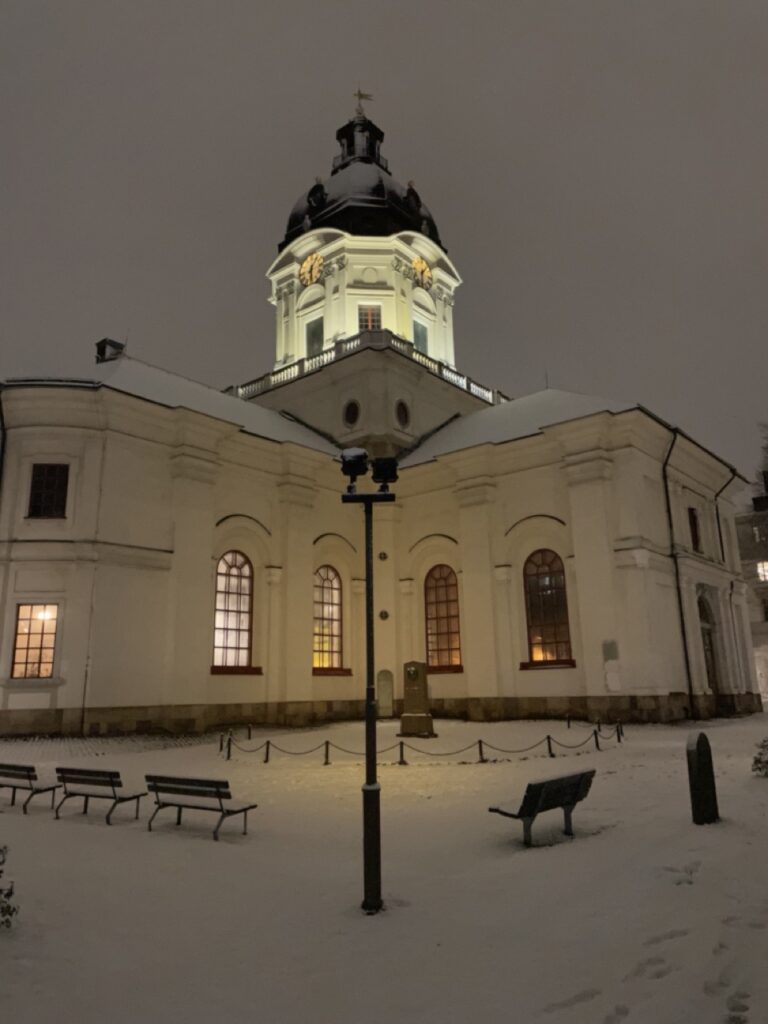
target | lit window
x=369, y=318
x=48, y=491
x=326, y=633
x=315, y=337
x=420, y=335
x=234, y=608
x=441, y=599
x=549, y=636
x=762, y=571
x=35, y=641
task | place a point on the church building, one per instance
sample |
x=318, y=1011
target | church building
x=176, y=557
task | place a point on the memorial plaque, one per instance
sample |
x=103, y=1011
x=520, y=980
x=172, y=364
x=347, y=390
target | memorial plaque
x=701, y=779
x=416, y=719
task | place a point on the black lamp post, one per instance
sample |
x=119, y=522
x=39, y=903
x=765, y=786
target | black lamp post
x=354, y=463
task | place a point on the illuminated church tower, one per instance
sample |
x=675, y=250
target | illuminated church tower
x=363, y=291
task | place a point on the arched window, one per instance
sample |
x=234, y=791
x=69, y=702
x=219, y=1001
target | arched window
x=549, y=635
x=233, y=621
x=441, y=600
x=327, y=632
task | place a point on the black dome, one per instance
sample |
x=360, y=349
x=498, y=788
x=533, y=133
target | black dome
x=361, y=196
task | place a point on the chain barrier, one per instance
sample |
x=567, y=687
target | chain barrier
x=226, y=744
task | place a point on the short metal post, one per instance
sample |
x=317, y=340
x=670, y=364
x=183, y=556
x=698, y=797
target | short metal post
x=250, y=731
x=402, y=754
x=266, y=752
x=618, y=731
x=549, y=747
x=568, y=721
x=327, y=752
x=597, y=741
x=229, y=747
x=221, y=742
x=599, y=726
x=480, y=754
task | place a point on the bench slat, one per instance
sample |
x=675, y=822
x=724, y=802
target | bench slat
x=183, y=780
x=82, y=777
x=18, y=771
x=192, y=791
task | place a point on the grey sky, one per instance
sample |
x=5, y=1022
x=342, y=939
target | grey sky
x=597, y=171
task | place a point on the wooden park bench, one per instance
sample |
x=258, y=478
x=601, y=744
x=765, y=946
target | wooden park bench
x=547, y=795
x=93, y=784
x=196, y=795
x=23, y=776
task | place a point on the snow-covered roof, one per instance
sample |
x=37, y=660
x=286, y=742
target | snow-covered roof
x=134, y=377
x=509, y=421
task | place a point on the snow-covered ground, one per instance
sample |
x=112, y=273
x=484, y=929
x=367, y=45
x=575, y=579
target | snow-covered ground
x=641, y=917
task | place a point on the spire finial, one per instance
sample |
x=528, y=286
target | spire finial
x=360, y=97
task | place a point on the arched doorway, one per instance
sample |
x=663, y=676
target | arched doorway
x=709, y=643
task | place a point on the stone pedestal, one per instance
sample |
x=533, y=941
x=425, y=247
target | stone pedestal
x=416, y=719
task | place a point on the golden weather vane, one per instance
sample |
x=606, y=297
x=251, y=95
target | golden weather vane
x=360, y=97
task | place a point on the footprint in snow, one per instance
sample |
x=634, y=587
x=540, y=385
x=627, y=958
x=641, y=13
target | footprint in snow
x=618, y=1013
x=581, y=997
x=654, y=967
x=676, y=933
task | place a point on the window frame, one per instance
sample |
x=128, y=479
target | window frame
x=371, y=307
x=424, y=327
x=310, y=323
x=45, y=513
x=550, y=570
x=337, y=587
x=431, y=582
x=17, y=634
x=249, y=668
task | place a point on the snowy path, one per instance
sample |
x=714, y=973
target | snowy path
x=643, y=917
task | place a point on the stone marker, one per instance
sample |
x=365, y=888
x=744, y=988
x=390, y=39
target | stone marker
x=416, y=719
x=701, y=778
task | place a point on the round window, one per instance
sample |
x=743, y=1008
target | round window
x=351, y=413
x=403, y=414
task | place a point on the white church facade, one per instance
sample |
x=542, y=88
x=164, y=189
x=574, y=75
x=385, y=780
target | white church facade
x=176, y=557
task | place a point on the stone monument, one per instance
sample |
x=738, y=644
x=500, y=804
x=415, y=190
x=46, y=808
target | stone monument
x=416, y=719
x=701, y=779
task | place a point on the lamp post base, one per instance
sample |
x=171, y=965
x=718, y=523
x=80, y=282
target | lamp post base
x=372, y=901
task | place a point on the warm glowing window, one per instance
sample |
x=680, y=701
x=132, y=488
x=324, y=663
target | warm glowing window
x=369, y=318
x=327, y=634
x=549, y=636
x=48, y=491
x=441, y=599
x=762, y=571
x=35, y=641
x=234, y=611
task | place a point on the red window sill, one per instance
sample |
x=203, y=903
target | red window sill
x=236, y=670
x=433, y=670
x=563, y=663
x=331, y=671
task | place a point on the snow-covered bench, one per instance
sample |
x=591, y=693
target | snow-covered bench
x=565, y=792
x=200, y=794
x=23, y=776
x=90, y=783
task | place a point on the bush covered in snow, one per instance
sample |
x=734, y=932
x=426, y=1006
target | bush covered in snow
x=8, y=908
x=760, y=762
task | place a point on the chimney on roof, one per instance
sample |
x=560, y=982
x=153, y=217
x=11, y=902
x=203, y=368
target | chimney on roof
x=107, y=350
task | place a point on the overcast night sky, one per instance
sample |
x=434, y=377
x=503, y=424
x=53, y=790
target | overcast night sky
x=597, y=170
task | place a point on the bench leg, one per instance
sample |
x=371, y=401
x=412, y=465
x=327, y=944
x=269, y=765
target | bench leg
x=567, y=811
x=109, y=812
x=153, y=816
x=245, y=823
x=218, y=826
x=59, y=805
x=136, y=817
x=13, y=797
x=26, y=802
x=527, y=823
x=178, y=815
x=85, y=805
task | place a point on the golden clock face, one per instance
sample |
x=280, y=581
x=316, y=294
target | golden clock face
x=311, y=269
x=422, y=272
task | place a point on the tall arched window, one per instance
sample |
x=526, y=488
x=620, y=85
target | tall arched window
x=233, y=621
x=327, y=632
x=441, y=601
x=549, y=635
